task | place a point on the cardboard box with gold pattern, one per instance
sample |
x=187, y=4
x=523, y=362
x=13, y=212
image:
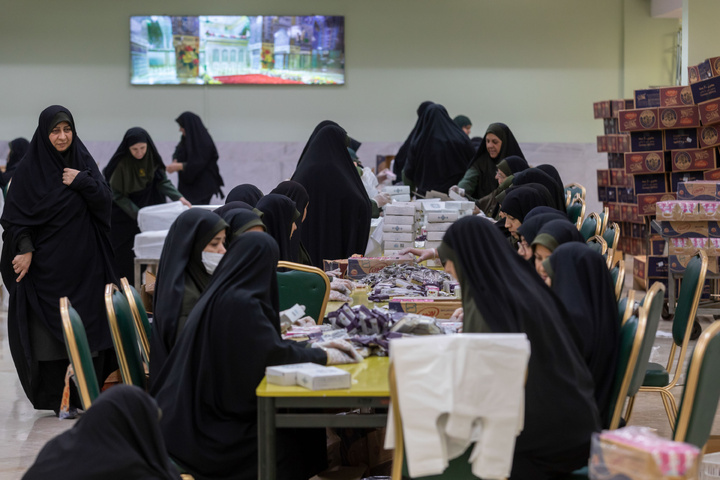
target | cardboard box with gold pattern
x=622, y=104
x=686, y=246
x=647, y=201
x=647, y=98
x=646, y=141
x=709, y=136
x=359, y=267
x=680, y=138
x=679, y=117
x=694, y=159
x=603, y=178
x=705, y=90
x=709, y=112
x=679, y=263
x=638, y=119
x=675, y=96
x=712, y=174
x=651, y=183
x=647, y=162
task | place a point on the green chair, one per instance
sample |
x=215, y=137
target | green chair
x=122, y=330
x=604, y=217
x=612, y=235
x=657, y=377
x=304, y=285
x=576, y=191
x=576, y=211
x=590, y=226
x=79, y=352
x=140, y=317
x=626, y=305
x=597, y=243
x=699, y=400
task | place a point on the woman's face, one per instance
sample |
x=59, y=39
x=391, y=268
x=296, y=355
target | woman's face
x=524, y=249
x=61, y=136
x=512, y=224
x=450, y=268
x=541, y=253
x=217, y=244
x=138, y=150
x=493, y=144
x=500, y=176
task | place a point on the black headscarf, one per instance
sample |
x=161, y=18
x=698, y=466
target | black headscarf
x=317, y=129
x=462, y=121
x=439, y=152
x=279, y=213
x=560, y=410
x=18, y=147
x=552, y=171
x=133, y=136
x=246, y=192
x=520, y=200
x=68, y=227
x=180, y=268
x=401, y=155
x=512, y=165
x=210, y=420
x=487, y=165
x=532, y=224
x=556, y=232
x=297, y=193
x=581, y=279
x=338, y=224
x=535, y=175
x=233, y=206
x=543, y=209
x=118, y=438
x=240, y=221
x=200, y=178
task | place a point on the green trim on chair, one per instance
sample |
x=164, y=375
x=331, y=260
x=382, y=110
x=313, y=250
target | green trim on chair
x=140, y=317
x=79, y=352
x=122, y=329
x=304, y=285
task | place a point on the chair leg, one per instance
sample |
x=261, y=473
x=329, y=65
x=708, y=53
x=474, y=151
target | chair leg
x=628, y=410
x=670, y=407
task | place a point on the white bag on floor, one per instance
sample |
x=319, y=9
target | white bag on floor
x=159, y=217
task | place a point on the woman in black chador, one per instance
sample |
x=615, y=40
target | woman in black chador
x=195, y=159
x=136, y=175
x=56, y=244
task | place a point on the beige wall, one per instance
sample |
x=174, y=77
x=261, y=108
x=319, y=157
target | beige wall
x=536, y=65
x=702, y=24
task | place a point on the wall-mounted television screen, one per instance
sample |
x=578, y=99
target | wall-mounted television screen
x=304, y=50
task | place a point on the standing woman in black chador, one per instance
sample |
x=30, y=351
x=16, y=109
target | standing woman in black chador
x=297, y=193
x=207, y=388
x=580, y=277
x=56, y=244
x=195, y=159
x=338, y=224
x=314, y=133
x=479, y=179
x=136, y=175
x=439, y=153
x=401, y=156
x=18, y=148
x=501, y=294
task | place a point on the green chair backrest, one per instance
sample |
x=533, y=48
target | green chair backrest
x=702, y=390
x=689, y=296
x=79, y=352
x=575, y=190
x=653, y=305
x=122, y=329
x=589, y=226
x=610, y=234
x=629, y=345
x=304, y=285
x=575, y=211
x=140, y=317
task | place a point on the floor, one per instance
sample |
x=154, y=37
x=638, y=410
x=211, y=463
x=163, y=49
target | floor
x=23, y=431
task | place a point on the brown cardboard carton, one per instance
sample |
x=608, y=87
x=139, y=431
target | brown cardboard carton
x=638, y=119
x=602, y=143
x=432, y=307
x=647, y=162
x=646, y=202
x=709, y=136
x=709, y=111
x=679, y=117
x=712, y=174
x=675, y=96
x=694, y=159
x=603, y=178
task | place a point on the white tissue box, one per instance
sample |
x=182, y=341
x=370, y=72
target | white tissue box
x=398, y=237
x=149, y=245
x=391, y=253
x=433, y=244
x=441, y=217
x=435, y=236
x=438, y=227
x=400, y=219
x=325, y=378
x=397, y=189
x=389, y=227
x=403, y=197
x=286, y=374
x=400, y=208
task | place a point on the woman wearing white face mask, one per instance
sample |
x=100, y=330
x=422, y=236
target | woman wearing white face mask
x=193, y=248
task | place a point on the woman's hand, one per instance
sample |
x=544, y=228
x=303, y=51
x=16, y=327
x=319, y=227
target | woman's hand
x=175, y=166
x=185, y=202
x=69, y=175
x=422, y=254
x=21, y=264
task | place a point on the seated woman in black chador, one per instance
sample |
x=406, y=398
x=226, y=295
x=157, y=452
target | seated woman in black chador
x=56, y=244
x=136, y=175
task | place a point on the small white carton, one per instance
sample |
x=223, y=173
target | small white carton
x=400, y=219
x=286, y=374
x=398, y=237
x=435, y=236
x=390, y=245
x=441, y=217
x=438, y=227
x=325, y=378
x=397, y=189
x=389, y=227
x=402, y=197
x=400, y=208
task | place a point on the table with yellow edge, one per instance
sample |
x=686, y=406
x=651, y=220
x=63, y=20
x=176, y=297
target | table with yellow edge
x=369, y=389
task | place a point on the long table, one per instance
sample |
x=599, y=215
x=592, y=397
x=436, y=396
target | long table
x=370, y=389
